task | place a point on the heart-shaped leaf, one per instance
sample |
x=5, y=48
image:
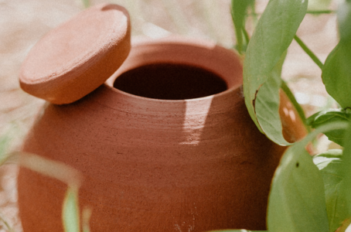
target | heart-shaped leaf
x=270, y=40
x=267, y=105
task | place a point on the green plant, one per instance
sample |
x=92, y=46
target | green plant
x=53, y=169
x=307, y=193
x=69, y=176
x=5, y=142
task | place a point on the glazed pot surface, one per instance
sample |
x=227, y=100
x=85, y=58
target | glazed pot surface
x=155, y=165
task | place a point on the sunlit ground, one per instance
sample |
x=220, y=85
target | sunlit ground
x=23, y=22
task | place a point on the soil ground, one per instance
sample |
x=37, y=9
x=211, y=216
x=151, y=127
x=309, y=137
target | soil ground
x=23, y=22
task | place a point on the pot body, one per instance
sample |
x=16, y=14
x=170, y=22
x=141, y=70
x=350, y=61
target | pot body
x=155, y=165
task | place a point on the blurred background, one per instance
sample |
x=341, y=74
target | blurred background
x=24, y=22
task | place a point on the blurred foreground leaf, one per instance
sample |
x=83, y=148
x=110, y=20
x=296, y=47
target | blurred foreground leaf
x=70, y=211
x=50, y=168
x=68, y=175
x=4, y=144
x=85, y=219
x=297, y=200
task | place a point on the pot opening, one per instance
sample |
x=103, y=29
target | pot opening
x=170, y=82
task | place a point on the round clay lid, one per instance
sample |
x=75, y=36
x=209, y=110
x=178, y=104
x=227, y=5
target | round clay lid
x=78, y=56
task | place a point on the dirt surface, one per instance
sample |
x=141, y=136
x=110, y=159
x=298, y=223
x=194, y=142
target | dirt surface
x=23, y=22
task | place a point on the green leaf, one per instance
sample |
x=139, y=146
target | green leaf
x=344, y=20
x=238, y=11
x=267, y=106
x=273, y=35
x=296, y=200
x=328, y=116
x=345, y=186
x=336, y=73
x=345, y=225
x=331, y=157
x=329, y=164
x=70, y=212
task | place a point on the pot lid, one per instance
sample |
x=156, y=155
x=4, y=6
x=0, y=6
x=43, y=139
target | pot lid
x=78, y=56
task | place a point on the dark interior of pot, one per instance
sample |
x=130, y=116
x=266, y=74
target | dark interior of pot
x=170, y=82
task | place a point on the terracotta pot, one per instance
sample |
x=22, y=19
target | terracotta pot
x=155, y=165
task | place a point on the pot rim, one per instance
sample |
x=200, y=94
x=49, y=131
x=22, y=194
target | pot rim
x=233, y=82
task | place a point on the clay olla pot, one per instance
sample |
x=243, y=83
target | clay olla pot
x=166, y=144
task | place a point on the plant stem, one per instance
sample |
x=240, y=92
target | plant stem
x=308, y=12
x=254, y=14
x=246, y=36
x=6, y=224
x=320, y=11
x=297, y=106
x=86, y=3
x=238, y=31
x=309, y=52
